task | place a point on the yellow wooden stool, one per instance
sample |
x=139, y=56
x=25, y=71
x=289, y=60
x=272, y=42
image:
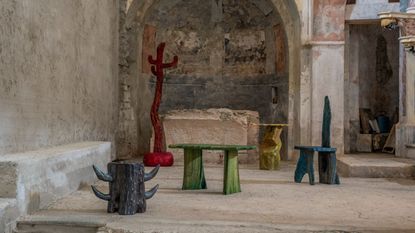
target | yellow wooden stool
x=270, y=147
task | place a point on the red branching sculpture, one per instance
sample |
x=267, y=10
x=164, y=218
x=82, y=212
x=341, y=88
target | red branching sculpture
x=159, y=156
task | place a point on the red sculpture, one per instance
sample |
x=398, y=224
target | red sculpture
x=159, y=156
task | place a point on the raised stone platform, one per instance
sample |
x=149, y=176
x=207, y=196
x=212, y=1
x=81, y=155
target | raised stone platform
x=373, y=165
x=213, y=126
x=271, y=202
x=35, y=179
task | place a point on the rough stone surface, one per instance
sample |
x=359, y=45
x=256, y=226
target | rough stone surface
x=364, y=143
x=270, y=201
x=58, y=72
x=210, y=56
x=232, y=54
x=8, y=214
x=212, y=126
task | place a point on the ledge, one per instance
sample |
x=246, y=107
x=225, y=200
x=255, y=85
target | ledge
x=39, y=177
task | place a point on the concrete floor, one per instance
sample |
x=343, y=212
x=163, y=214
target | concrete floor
x=270, y=202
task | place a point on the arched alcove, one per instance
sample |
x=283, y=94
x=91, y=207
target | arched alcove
x=229, y=57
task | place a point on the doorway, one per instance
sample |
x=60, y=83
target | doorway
x=371, y=88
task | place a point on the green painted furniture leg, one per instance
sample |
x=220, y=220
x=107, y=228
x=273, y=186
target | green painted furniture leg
x=194, y=175
x=231, y=173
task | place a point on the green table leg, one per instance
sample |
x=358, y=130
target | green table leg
x=231, y=173
x=194, y=175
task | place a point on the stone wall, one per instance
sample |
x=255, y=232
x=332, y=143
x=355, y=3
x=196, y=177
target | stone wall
x=58, y=72
x=136, y=82
x=232, y=54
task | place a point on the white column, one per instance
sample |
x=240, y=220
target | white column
x=411, y=6
x=405, y=130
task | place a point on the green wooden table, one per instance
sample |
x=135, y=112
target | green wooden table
x=194, y=175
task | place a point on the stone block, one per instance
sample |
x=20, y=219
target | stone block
x=364, y=143
x=37, y=178
x=212, y=126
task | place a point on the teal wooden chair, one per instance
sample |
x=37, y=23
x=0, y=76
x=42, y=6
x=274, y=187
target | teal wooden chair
x=326, y=155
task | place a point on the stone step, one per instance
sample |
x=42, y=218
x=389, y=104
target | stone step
x=58, y=223
x=52, y=227
x=37, y=178
x=374, y=165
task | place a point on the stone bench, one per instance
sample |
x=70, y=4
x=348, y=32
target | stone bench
x=34, y=179
x=213, y=126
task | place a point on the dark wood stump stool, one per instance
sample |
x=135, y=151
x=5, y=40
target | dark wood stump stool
x=127, y=194
x=326, y=161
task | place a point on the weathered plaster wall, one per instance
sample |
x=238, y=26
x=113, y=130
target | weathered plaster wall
x=327, y=68
x=229, y=63
x=226, y=55
x=226, y=59
x=329, y=16
x=135, y=127
x=58, y=72
x=327, y=79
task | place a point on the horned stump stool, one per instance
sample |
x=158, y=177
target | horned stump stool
x=326, y=155
x=127, y=194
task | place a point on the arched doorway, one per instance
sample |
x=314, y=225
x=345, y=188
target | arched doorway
x=229, y=58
